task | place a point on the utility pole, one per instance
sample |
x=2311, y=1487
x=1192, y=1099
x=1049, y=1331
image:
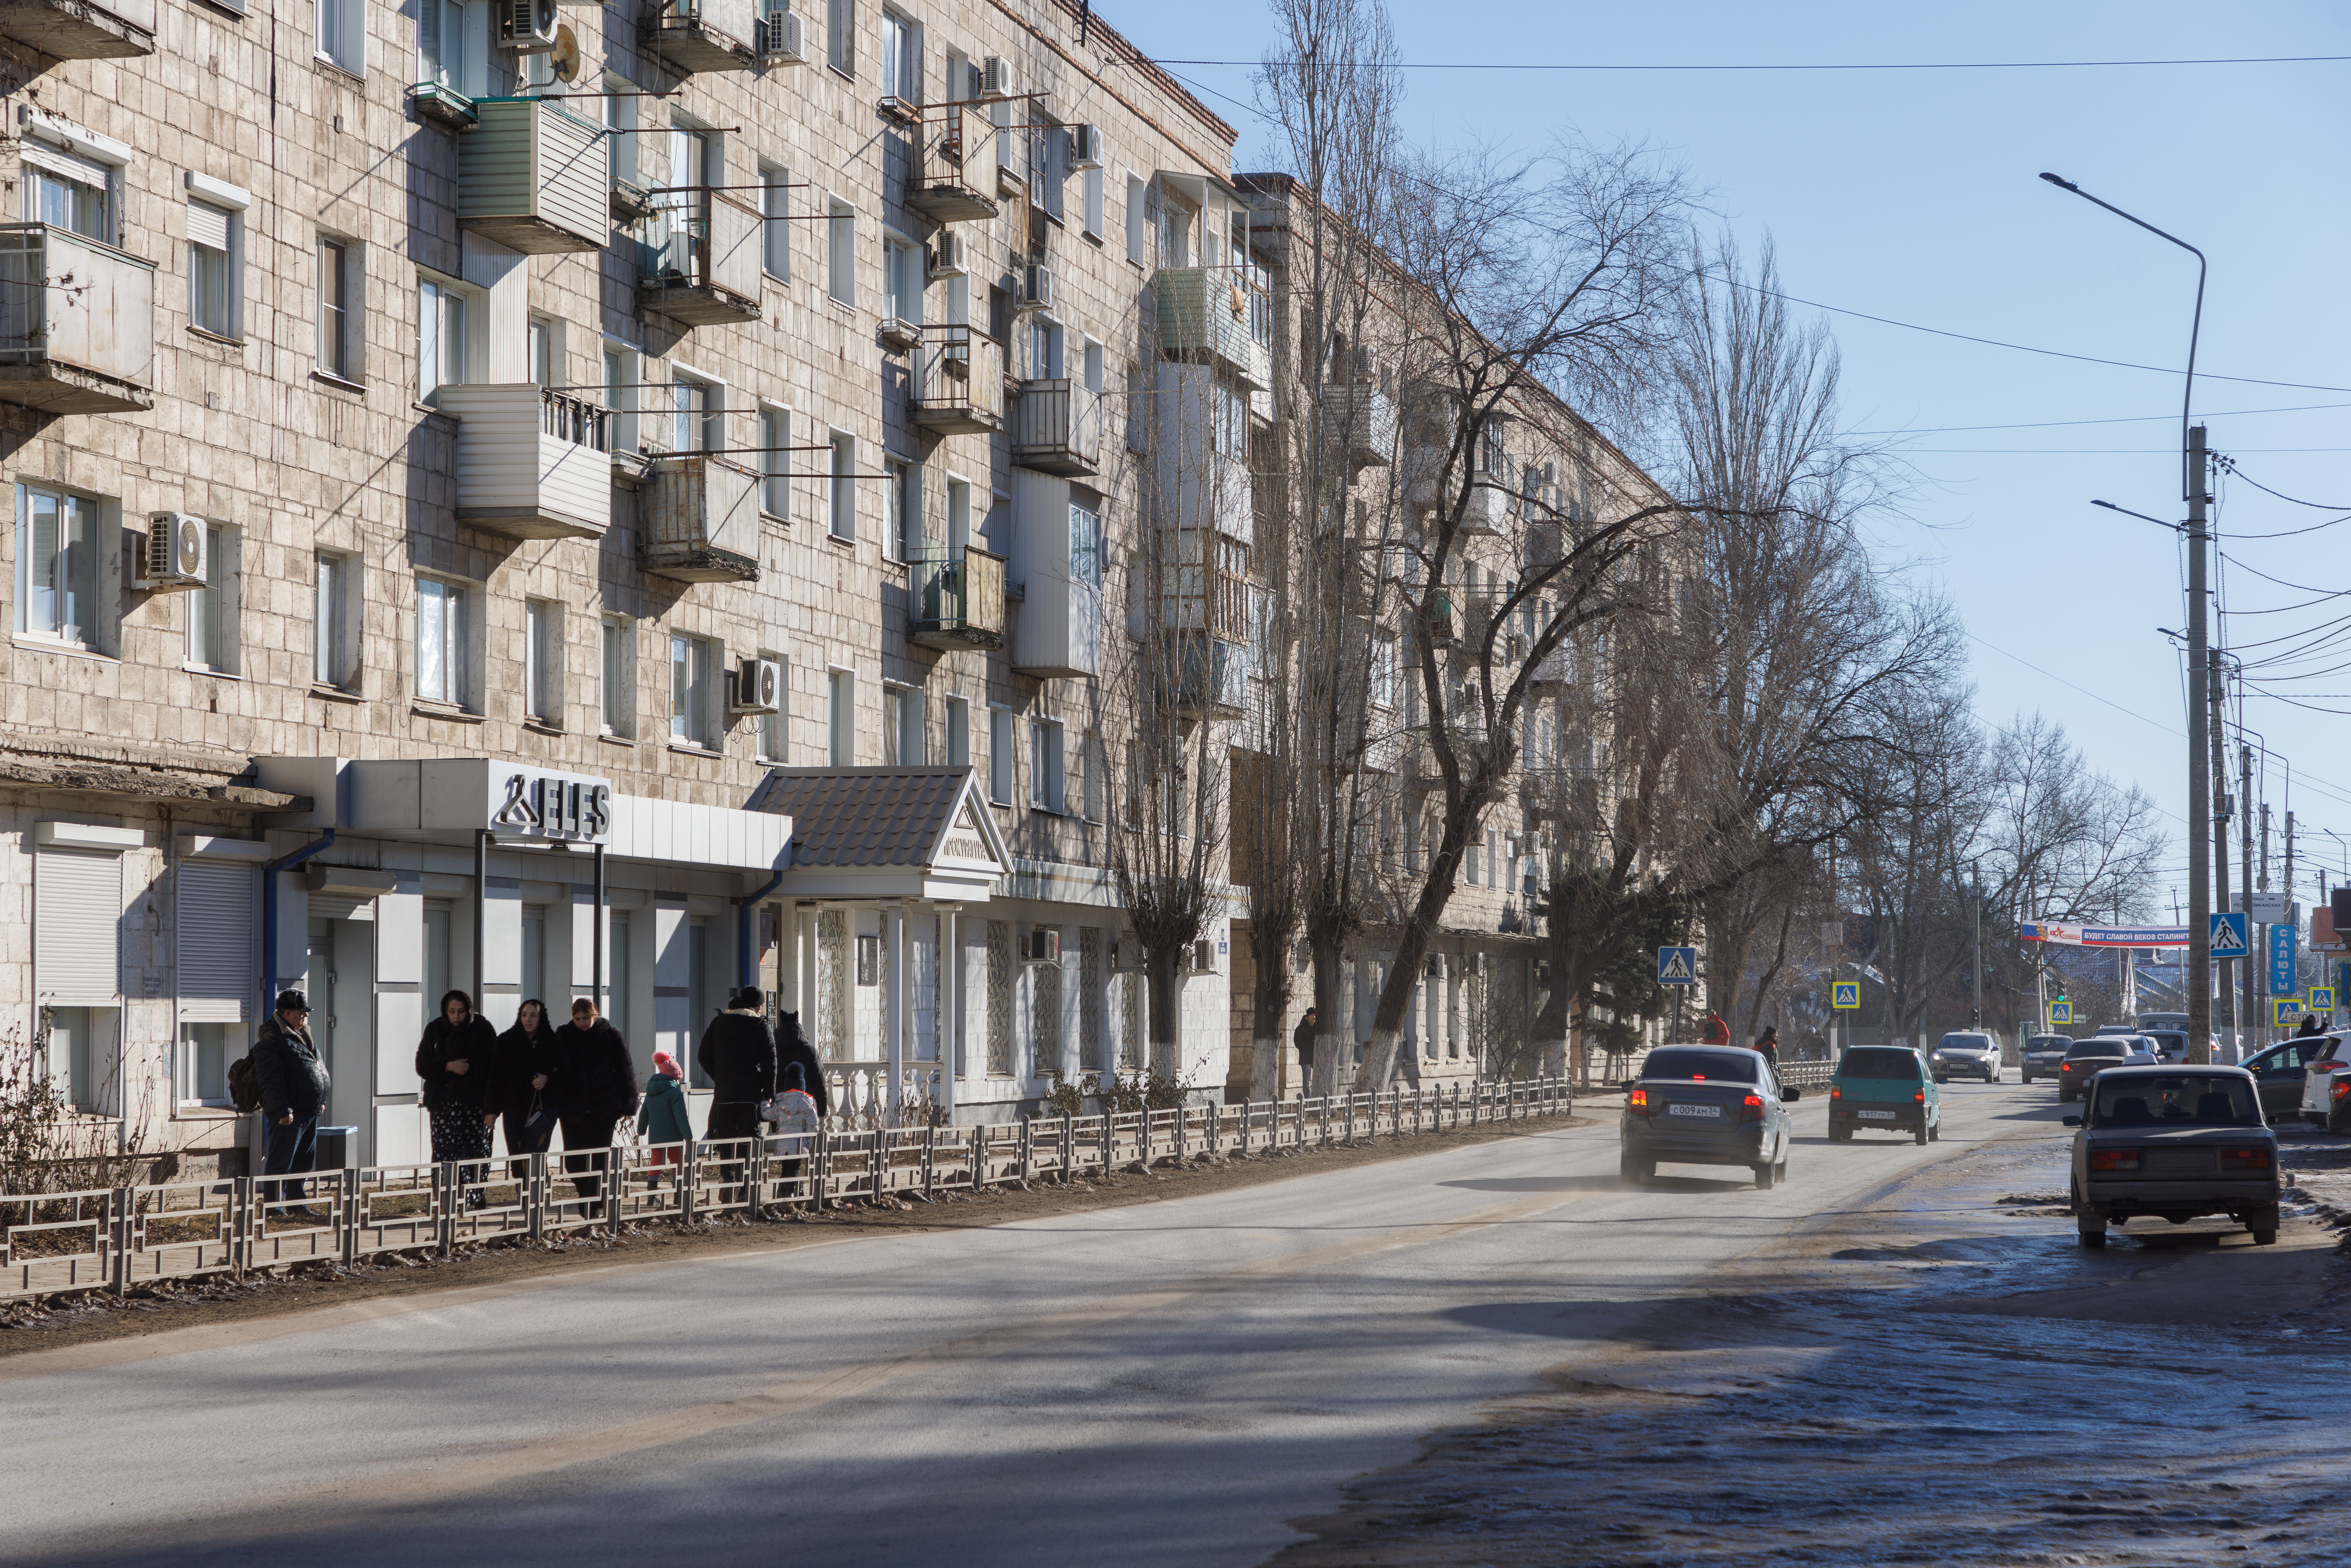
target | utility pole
x=2265, y=846
x=2250, y=1015
x=1975, y=1014
x=2222, y=810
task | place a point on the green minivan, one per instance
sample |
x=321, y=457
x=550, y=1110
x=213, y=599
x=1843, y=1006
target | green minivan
x=1884, y=1089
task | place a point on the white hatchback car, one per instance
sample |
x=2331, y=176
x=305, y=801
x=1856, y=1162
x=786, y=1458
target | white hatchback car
x=2326, y=1085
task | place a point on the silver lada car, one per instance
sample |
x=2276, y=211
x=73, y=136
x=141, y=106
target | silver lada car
x=2173, y=1143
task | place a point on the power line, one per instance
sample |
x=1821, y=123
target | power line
x=2125, y=419
x=2236, y=473
x=1861, y=65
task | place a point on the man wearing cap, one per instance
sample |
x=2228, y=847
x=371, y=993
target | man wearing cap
x=738, y=1053
x=293, y=1085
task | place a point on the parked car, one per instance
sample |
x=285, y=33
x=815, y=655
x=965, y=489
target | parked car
x=1884, y=1089
x=1977, y=1055
x=2326, y=1084
x=2088, y=1057
x=2043, y=1054
x=1704, y=1105
x=2281, y=1071
x=2174, y=1143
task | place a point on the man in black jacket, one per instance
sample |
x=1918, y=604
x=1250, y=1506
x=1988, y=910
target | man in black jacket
x=792, y=1047
x=739, y=1056
x=599, y=1085
x=293, y=1085
x=1302, y=1037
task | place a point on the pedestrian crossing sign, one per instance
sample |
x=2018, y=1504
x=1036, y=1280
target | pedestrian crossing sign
x=2229, y=934
x=2285, y=1011
x=2321, y=999
x=1845, y=995
x=1678, y=966
x=2060, y=1012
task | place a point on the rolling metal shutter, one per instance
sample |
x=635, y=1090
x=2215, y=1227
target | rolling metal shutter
x=77, y=908
x=215, y=914
x=208, y=226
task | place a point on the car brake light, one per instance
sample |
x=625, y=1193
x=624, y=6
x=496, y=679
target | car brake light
x=2329, y=1066
x=1637, y=1102
x=2114, y=1159
x=1752, y=1108
x=2340, y=1089
x=1836, y=1093
x=2244, y=1159
x=1920, y=1097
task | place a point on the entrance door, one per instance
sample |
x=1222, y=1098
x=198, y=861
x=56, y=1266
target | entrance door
x=318, y=979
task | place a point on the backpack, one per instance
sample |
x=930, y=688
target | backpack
x=245, y=1084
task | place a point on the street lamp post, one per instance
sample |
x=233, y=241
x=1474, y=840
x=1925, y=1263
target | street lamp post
x=2193, y=488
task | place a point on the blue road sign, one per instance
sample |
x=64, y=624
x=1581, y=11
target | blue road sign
x=1845, y=995
x=2321, y=999
x=1678, y=966
x=2229, y=934
x=2281, y=982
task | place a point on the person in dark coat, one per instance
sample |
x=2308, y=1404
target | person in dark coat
x=738, y=1055
x=453, y=1060
x=294, y=1085
x=1767, y=1044
x=598, y=1084
x=522, y=1079
x=1302, y=1037
x=791, y=1046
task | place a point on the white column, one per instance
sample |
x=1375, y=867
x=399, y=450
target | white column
x=950, y=1025
x=788, y=958
x=893, y=1003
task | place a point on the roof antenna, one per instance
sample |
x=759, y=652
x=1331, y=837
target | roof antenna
x=1085, y=15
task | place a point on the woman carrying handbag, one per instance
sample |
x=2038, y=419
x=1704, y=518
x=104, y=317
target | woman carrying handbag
x=453, y=1060
x=521, y=1088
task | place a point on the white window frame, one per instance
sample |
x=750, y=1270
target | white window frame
x=543, y=350
x=334, y=605
x=902, y=57
x=624, y=369
x=1002, y=771
x=841, y=716
x=840, y=251
x=840, y=496
x=542, y=662
x=216, y=276
x=904, y=506
x=620, y=116
x=692, y=429
x=1138, y=226
x=905, y=719
x=616, y=697
x=1048, y=789
x=958, y=513
x=1090, y=204
x=449, y=340
x=59, y=154
x=840, y=36
x=342, y=285
x=776, y=461
x=87, y=574
x=902, y=280
x=776, y=224
x=697, y=673
x=211, y=611
x=449, y=634
x=340, y=34
x=958, y=728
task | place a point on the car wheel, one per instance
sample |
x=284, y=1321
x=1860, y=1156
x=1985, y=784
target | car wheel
x=1839, y=1134
x=1935, y=1130
x=2091, y=1238
x=1922, y=1132
x=1763, y=1177
x=2339, y=1119
x=1635, y=1173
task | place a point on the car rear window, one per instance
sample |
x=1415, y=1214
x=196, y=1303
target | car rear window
x=2170, y=1040
x=2177, y=1100
x=1723, y=1066
x=2111, y=1046
x=1964, y=1042
x=2047, y=1042
x=1878, y=1061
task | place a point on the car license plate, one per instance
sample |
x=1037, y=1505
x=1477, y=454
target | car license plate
x=1713, y=1110
x=1878, y=1115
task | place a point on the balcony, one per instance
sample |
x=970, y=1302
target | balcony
x=1359, y=420
x=701, y=258
x=1057, y=428
x=1556, y=672
x=698, y=520
x=1487, y=505
x=532, y=464
x=1211, y=314
x=959, y=380
x=691, y=36
x=954, y=177
x=1207, y=676
x=1198, y=453
x=1057, y=557
x=76, y=30
x=443, y=105
x=532, y=176
x=77, y=323
x=956, y=599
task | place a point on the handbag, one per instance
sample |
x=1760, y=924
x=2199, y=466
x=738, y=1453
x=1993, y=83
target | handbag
x=540, y=1123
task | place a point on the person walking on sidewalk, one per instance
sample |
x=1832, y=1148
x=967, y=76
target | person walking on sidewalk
x=792, y=1050
x=598, y=1084
x=521, y=1088
x=453, y=1060
x=738, y=1055
x=1302, y=1037
x=294, y=1085
x=662, y=1119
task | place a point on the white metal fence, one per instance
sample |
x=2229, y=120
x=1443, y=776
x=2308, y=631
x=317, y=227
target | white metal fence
x=121, y=1239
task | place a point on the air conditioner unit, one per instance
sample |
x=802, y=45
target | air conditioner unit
x=759, y=686
x=1036, y=287
x=996, y=77
x=948, y=255
x=1203, y=957
x=179, y=554
x=1085, y=147
x=1041, y=946
x=781, y=44
x=527, y=27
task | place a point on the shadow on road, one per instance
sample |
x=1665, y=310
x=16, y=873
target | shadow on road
x=1540, y=1183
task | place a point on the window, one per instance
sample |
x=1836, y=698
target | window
x=1090, y=759
x=441, y=342
x=840, y=251
x=619, y=117
x=619, y=697
x=335, y=277
x=905, y=719
x=902, y=59
x=999, y=756
x=545, y=350
x=1045, y=338
x=202, y=1071
x=698, y=415
x=958, y=732
x=901, y=281
x=212, y=268
x=903, y=498
x=840, y=505
x=212, y=608
x=1045, y=765
x=336, y=588
x=56, y=565
x=840, y=35
x=621, y=378
x=1138, y=231
x=840, y=717
x=542, y=662
x=959, y=515
x=776, y=232
x=1138, y=410
x=1383, y=670
x=774, y=727
x=1049, y=148
x=343, y=32
x=72, y=179
x=694, y=692
x=775, y=462
x=442, y=634
x=1085, y=545
x=1093, y=193
x=1090, y=367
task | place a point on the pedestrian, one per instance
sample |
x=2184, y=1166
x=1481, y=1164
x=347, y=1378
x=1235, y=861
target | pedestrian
x=2310, y=1028
x=294, y=1085
x=1717, y=1032
x=1302, y=1037
x=796, y=1125
x=598, y=1089
x=791, y=1046
x=453, y=1060
x=1767, y=1045
x=739, y=1057
x=521, y=1088
x=662, y=1121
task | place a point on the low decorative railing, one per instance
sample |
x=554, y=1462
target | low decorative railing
x=121, y=1239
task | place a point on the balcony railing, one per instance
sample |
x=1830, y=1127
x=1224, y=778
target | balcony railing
x=956, y=599
x=698, y=520
x=77, y=30
x=77, y=323
x=1211, y=313
x=1209, y=676
x=701, y=256
x=1361, y=421
x=702, y=35
x=1057, y=428
x=959, y=380
x=532, y=462
x=953, y=178
x=531, y=176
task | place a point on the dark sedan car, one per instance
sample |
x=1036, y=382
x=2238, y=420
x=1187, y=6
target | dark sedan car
x=1704, y=1105
x=2173, y=1143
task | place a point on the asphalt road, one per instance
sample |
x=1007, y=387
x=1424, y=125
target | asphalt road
x=1165, y=1383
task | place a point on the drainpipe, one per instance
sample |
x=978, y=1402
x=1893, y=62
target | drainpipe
x=746, y=961
x=269, y=917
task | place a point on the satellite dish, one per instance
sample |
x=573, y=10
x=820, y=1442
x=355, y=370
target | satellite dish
x=564, y=58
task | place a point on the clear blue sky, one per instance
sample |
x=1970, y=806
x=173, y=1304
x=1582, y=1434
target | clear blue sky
x=1911, y=194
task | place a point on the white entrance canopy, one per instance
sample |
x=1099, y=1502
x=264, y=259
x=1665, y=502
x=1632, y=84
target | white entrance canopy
x=892, y=833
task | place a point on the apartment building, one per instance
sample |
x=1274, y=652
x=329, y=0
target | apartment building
x=555, y=500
